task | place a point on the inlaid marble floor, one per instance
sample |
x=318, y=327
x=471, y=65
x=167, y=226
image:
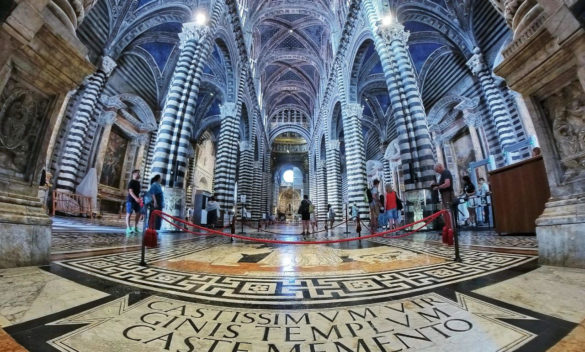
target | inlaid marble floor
x=209, y=293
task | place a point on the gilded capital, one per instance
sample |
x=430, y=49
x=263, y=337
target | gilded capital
x=355, y=109
x=476, y=64
x=108, y=65
x=228, y=109
x=193, y=31
x=392, y=32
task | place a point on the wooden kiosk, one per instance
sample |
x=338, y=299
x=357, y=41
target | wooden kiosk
x=519, y=193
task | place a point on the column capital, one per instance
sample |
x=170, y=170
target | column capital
x=107, y=117
x=142, y=139
x=392, y=32
x=333, y=144
x=228, y=109
x=193, y=31
x=108, y=65
x=355, y=109
x=322, y=164
x=476, y=63
x=245, y=145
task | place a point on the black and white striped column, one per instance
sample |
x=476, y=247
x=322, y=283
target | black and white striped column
x=355, y=156
x=173, y=141
x=321, y=205
x=333, y=177
x=80, y=124
x=246, y=174
x=257, y=177
x=495, y=100
x=227, y=154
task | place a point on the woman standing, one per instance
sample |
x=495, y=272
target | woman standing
x=156, y=194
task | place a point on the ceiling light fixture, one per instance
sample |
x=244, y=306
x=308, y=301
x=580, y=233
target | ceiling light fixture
x=200, y=19
x=290, y=30
x=387, y=20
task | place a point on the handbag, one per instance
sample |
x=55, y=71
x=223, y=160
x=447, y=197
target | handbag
x=399, y=205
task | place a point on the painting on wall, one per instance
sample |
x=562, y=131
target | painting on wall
x=463, y=153
x=114, y=159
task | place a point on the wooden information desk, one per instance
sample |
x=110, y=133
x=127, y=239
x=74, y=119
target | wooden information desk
x=519, y=193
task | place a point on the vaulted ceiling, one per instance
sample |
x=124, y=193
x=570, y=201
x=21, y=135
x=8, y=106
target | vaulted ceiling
x=291, y=48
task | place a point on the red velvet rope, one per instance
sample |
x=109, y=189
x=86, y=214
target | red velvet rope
x=278, y=233
x=169, y=218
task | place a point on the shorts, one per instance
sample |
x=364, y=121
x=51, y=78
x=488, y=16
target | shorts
x=132, y=206
x=305, y=216
x=374, y=208
x=392, y=214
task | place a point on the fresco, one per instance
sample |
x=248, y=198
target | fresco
x=463, y=153
x=114, y=160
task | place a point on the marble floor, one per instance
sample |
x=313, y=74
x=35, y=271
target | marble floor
x=211, y=293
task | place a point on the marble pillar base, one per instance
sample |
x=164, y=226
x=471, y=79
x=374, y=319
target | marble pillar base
x=561, y=233
x=25, y=235
x=174, y=205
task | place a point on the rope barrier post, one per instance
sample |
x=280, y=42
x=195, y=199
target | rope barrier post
x=358, y=227
x=233, y=228
x=143, y=246
x=346, y=220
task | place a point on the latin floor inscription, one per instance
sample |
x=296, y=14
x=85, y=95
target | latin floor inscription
x=425, y=322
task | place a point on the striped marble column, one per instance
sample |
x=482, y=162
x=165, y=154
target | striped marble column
x=227, y=154
x=416, y=148
x=333, y=176
x=76, y=137
x=246, y=173
x=257, y=190
x=416, y=140
x=321, y=206
x=173, y=145
x=355, y=156
x=173, y=140
x=495, y=100
x=312, y=181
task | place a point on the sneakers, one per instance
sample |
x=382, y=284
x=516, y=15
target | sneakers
x=131, y=230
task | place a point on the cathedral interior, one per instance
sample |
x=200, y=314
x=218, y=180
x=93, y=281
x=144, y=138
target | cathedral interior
x=211, y=122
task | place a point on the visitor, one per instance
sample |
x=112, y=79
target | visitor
x=391, y=207
x=313, y=220
x=156, y=196
x=483, y=194
x=354, y=212
x=470, y=199
x=330, y=215
x=445, y=187
x=133, y=202
x=374, y=206
x=304, y=212
x=212, y=212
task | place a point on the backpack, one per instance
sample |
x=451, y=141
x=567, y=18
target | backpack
x=304, y=208
x=311, y=208
x=398, y=203
x=369, y=195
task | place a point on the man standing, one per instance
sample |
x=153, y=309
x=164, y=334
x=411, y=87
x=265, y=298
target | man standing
x=445, y=187
x=133, y=202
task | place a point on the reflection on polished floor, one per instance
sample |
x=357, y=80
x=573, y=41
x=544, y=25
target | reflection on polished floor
x=209, y=293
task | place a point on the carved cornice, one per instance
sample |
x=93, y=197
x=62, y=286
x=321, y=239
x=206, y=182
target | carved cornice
x=108, y=117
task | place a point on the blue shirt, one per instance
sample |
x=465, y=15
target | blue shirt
x=155, y=190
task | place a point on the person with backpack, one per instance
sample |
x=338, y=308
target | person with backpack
x=313, y=217
x=374, y=206
x=305, y=214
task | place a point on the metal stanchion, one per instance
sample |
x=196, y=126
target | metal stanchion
x=143, y=247
x=455, y=232
x=346, y=221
